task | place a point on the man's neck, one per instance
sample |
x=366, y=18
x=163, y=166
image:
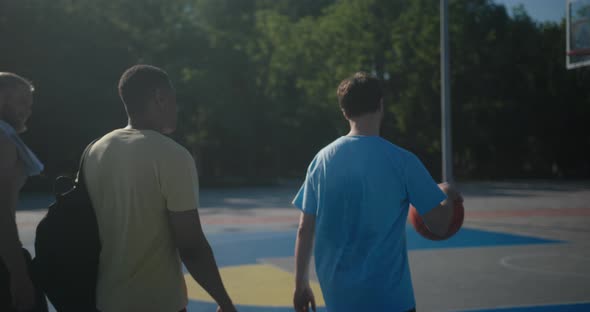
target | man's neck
x=140, y=124
x=364, y=126
x=356, y=132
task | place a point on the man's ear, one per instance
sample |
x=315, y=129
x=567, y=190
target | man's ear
x=344, y=114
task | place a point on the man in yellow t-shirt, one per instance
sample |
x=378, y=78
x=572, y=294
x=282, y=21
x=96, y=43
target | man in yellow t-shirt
x=144, y=189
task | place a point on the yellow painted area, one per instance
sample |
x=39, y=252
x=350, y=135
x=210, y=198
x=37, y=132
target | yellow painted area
x=255, y=285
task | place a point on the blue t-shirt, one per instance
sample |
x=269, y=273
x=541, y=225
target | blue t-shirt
x=359, y=188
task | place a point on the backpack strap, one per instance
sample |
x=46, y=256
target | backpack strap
x=80, y=182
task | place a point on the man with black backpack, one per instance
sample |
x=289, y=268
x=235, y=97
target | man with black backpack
x=144, y=190
x=17, y=162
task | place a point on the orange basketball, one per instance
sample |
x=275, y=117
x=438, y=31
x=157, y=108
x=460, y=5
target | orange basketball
x=456, y=222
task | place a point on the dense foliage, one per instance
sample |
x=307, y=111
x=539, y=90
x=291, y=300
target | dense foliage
x=256, y=80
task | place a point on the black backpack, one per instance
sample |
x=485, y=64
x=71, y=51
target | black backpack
x=67, y=248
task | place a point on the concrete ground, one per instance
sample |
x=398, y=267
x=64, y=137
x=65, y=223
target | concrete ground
x=525, y=246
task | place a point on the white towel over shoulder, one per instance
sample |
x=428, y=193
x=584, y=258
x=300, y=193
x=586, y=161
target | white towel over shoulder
x=32, y=164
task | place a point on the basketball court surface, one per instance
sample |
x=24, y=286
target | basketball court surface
x=523, y=247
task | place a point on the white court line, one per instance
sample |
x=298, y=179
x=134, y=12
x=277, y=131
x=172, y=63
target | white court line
x=506, y=307
x=505, y=262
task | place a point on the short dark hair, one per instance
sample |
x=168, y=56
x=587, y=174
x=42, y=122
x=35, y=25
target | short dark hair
x=138, y=84
x=10, y=81
x=360, y=94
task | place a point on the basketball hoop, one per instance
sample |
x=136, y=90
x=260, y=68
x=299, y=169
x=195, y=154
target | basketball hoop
x=577, y=33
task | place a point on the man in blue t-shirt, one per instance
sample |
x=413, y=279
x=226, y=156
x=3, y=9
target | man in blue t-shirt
x=354, y=204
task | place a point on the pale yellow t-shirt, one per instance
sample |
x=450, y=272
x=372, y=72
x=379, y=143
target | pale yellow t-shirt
x=134, y=177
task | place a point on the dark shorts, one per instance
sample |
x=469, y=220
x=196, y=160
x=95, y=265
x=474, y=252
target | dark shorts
x=5, y=297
